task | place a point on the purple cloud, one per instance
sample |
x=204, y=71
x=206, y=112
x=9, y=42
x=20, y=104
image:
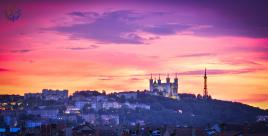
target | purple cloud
x=186, y=73
x=83, y=14
x=83, y=48
x=201, y=72
x=195, y=55
x=240, y=18
x=219, y=71
x=166, y=29
x=259, y=49
x=22, y=51
x=111, y=27
x=260, y=52
x=239, y=61
x=227, y=18
x=119, y=26
x=223, y=18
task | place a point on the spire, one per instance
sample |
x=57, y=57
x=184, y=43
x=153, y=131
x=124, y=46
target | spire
x=154, y=81
x=168, y=79
x=159, y=80
x=151, y=76
x=205, y=72
x=205, y=84
x=176, y=78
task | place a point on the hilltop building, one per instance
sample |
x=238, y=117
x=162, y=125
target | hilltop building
x=49, y=94
x=168, y=89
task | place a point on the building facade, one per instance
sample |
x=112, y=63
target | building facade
x=49, y=94
x=167, y=89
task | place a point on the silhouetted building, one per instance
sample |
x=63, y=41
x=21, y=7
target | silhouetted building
x=84, y=130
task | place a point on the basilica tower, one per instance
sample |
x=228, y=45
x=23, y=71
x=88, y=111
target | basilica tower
x=151, y=83
x=159, y=80
x=176, y=84
x=168, y=89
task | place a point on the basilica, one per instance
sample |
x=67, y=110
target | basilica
x=167, y=89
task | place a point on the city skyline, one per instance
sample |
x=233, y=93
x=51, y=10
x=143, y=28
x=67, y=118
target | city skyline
x=115, y=46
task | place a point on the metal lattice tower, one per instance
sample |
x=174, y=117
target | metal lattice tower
x=205, y=84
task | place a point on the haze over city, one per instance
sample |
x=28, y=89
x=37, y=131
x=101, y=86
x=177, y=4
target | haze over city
x=115, y=46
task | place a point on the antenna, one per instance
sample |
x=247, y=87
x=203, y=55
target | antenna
x=205, y=84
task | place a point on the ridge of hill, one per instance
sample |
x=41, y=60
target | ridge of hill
x=191, y=111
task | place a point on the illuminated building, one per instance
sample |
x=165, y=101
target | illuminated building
x=167, y=89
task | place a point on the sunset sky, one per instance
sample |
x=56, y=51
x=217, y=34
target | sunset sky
x=115, y=46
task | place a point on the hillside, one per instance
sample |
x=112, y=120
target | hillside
x=190, y=112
